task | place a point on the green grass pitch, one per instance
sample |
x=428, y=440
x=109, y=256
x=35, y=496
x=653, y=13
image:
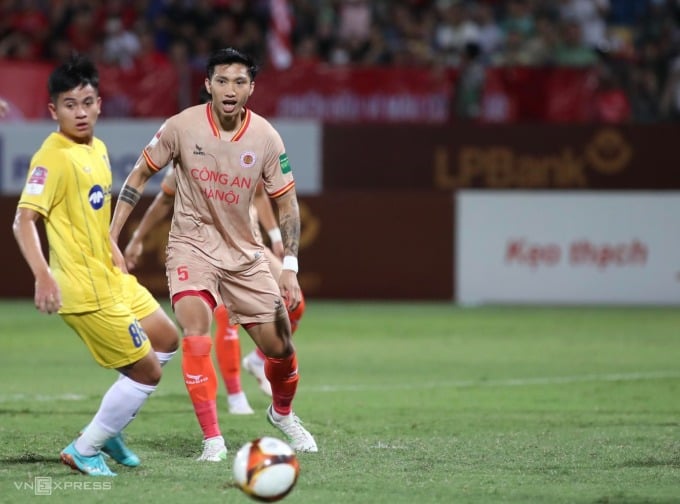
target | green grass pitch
x=409, y=403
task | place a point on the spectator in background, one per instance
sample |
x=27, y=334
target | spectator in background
x=514, y=51
x=518, y=18
x=179, y=58
x=572, y=51
x=149, y=56
x=541, y=46
x=644, y=92
x=224, y=31
x=398, y=25
x=31, y=28
x=307, y=52
x=354, y=21
x=378, y=52
x=121, y=46
x=590, y=15
x=670, y=97
x=470, y=84
x=628, y=12
x=490, y=37
x=610, y=103
x=452, y=31
x=251, y=39
x=355, y=18
x=81, y=30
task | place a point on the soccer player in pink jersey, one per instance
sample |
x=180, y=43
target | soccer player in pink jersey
x=220, y=152
x=226, y=341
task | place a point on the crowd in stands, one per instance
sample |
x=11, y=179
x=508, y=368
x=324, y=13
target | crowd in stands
x=634, y=44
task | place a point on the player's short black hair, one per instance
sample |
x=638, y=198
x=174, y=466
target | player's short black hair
x=76, y=72
x=230, y=55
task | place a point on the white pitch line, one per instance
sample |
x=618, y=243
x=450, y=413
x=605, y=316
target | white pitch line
x=41, y=397
x=507, y=382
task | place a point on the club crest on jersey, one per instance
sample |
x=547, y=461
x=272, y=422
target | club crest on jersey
x=36, y=182
x=248, y=159
x=96, y=197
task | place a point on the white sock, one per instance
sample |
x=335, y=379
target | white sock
x=255, y=359
x=278, y=416
x=237, y=398
x=119, y=406
x=92, y=439
x=164, y=357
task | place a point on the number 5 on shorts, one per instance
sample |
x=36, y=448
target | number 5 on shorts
x=182, y=273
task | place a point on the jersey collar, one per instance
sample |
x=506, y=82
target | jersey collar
x=215, y=129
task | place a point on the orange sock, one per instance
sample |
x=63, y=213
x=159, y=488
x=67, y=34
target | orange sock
x=201, y=382
x=283, y=376
x=228, y=350
x=295, y=315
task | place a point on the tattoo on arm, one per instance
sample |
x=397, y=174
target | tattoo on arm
x=289, y=222
x=129, y=195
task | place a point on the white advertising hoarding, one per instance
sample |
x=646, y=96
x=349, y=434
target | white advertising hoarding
x=125, y=140
x=567, y=247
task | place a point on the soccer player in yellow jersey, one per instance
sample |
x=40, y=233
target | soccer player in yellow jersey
x=69, y=188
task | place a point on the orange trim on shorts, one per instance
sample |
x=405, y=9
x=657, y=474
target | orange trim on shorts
x=203, y=294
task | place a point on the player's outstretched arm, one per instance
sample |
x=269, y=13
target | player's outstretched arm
x=158, y=210
x=289, y=222
x=267, y=218
x=47, y=294
x=128, y=198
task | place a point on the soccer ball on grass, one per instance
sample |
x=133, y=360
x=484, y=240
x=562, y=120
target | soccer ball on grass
x=266, y=469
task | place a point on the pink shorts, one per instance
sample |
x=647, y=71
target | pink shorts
x=251, y=295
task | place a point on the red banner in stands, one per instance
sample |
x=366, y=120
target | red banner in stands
x=24, y=86
x=124, y=93
x=340, y=94
x=331, y=94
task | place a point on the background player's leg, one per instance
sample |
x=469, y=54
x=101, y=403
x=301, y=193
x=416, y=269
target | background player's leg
x=254, y=364
x=228, y=352
x=296, y=315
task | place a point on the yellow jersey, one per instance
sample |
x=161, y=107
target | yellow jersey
x=69, y=184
